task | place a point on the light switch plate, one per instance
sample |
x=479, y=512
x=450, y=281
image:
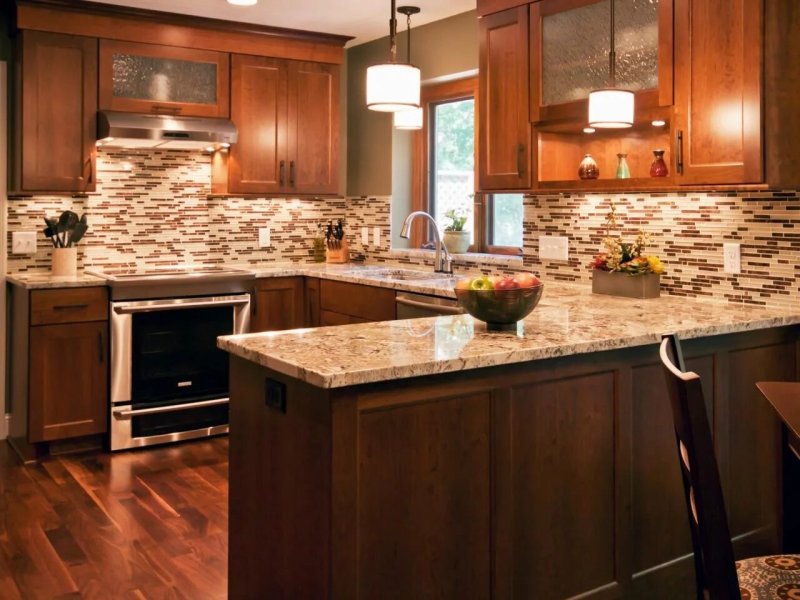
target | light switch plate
x=553, y=247
x=23, y=242
x=732, y=258
x=264, y=240
x=365, y=236
x=376, y=236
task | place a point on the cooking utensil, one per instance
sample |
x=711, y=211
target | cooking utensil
x=79, y=231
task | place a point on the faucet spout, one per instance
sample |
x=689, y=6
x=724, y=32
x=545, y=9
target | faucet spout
x=442, y=261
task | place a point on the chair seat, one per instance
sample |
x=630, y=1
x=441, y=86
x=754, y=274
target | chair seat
x=769, y=577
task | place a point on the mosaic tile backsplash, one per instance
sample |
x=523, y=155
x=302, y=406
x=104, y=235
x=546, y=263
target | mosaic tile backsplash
x=152, y=208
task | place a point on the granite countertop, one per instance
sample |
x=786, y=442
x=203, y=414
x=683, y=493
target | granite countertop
x=569, y=320
x=44, y=280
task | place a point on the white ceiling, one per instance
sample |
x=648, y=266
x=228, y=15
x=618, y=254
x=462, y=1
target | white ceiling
x=365, y=20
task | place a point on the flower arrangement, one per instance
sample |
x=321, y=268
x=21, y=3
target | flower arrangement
x=624, y=257
x=457, y=220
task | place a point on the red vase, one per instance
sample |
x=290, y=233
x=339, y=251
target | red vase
x=659, y=166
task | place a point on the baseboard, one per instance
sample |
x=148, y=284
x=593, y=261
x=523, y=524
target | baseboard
x=5, y=422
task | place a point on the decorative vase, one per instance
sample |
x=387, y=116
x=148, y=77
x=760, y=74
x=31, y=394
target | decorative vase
x=623, y=172
x=588, y=168
x=65, y=262
x=456, y=242
x=659, y=167
x=614, y=283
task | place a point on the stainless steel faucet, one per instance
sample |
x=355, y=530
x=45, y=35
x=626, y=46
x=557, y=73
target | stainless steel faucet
x=442, y=261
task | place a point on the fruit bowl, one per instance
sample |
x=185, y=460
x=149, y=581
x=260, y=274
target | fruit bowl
x=500, y=309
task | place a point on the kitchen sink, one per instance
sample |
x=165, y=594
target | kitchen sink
x=401, y=274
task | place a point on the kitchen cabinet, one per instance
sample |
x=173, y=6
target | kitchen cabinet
x=59, y=366
x=344, y=303
x=504, y=160
x=159, y=79
x=55, y=123
x=287, y=115
x=312, y=302
x=718, y=57
x=278, y=303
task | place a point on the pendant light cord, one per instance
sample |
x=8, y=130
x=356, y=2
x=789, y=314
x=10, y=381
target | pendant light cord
x=408, y=28
x=393, y=34
x=612, y=55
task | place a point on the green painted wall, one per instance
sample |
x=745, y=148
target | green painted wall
x=439, y=49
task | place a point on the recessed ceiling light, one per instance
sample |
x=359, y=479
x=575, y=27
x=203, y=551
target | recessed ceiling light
x=659, y=123
x=242, y=2
x=588, y=130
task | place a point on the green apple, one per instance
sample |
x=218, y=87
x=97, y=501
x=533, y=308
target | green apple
x=482, y=283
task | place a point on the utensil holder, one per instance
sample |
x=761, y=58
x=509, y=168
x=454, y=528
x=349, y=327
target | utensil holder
x=65, y=262
x=338, y=255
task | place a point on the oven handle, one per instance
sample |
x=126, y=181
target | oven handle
x=122, y=413
x=157, y=307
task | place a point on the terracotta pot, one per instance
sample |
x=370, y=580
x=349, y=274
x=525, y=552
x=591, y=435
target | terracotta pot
x=456, y=242
x=65, y=262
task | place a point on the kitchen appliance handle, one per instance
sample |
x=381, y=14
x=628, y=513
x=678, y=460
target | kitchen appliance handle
x=435, y=308
x=122, y=413
x=156, y=307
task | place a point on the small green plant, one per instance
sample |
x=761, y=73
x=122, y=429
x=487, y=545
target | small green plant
x=457, y=220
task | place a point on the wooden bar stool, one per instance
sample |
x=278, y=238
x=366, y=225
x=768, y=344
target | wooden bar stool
x=718, y=576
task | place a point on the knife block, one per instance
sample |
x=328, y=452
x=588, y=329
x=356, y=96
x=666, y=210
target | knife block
x=338, y=255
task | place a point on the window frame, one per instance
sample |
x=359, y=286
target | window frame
x=432, y=95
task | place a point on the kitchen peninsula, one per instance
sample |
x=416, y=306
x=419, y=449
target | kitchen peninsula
x=430, y=458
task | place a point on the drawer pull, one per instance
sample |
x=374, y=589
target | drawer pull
x=70, y=306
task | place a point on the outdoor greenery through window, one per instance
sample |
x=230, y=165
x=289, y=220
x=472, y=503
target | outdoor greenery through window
x=495, y=221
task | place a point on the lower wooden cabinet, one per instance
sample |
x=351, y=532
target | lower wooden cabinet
x=68, y=381
x=59, y=366
x=278, y=303
x=344, y=303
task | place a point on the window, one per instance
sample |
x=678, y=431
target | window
x=444, y=173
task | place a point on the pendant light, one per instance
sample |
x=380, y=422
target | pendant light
x=611, y=108
x=393, y=86
x=408, y=119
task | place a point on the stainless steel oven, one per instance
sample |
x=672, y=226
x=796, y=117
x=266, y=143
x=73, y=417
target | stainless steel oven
x=169, y=381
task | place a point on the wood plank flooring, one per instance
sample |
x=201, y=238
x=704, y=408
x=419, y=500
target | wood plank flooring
x=144, y=524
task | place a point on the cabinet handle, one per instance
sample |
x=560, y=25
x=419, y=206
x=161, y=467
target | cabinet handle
x=254, y=302
x=100, y=350
x=70, y=306
x=679, y=152
x=282, y=175
x=161, y=108
x=91, y=171
x=291, y=173
x=521, y=160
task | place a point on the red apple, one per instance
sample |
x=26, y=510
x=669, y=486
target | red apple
x=507, y=283
x=527, y=280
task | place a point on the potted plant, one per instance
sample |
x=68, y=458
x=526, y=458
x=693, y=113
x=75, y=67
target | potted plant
x=65, y=232
x=624, y=269
x=456, y=239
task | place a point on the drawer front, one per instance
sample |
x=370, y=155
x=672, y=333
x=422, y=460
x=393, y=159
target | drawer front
x=69, y=305
x=363, y=301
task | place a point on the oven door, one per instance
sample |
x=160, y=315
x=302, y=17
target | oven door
x=169, y=381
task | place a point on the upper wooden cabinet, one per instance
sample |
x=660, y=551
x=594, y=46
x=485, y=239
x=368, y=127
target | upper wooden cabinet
x=718, y=58
x=287, y=114
x=504, y=161
x=163, y=79
x=56, y=113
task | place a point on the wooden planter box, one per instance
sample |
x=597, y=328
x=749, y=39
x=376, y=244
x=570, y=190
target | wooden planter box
x=627, y=286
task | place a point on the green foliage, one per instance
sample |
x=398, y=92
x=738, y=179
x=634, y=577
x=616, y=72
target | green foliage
x=457, y=220
x=455, y=135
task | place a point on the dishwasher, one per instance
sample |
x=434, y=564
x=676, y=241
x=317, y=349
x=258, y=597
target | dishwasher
x=414, y=306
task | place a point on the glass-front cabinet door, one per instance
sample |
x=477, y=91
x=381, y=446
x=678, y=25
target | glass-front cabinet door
x=163, y=79
x=570, y=42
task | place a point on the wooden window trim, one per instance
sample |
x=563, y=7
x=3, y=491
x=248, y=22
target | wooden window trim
x=431, y=95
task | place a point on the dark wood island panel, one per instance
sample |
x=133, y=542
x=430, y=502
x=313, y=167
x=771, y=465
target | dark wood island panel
x=544, y=479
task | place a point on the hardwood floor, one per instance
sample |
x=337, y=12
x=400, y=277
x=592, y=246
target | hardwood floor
x=144, y=524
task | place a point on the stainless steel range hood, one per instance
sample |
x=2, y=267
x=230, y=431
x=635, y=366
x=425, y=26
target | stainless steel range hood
x=134, y=130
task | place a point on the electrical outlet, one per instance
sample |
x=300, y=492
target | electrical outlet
x=365, y=236
x=23, y=242
x=264, y=237
x=732, y=258
x=376, y=237
x=553, y=247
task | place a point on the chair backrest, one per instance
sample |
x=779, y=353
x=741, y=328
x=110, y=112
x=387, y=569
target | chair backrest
x=713, y=552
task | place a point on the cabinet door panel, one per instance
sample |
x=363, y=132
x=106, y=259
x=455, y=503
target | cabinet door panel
x=68, y=381
x=279, y=304
x=58, y=106
x=718, y=53
x=259, y=160
x=313, y=128
x=504, y=127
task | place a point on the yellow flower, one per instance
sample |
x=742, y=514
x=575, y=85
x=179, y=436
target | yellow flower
x=656, y=266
